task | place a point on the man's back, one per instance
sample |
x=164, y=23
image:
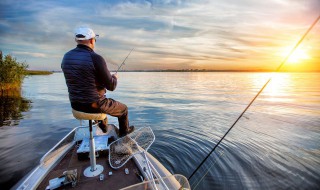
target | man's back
x=79, y=72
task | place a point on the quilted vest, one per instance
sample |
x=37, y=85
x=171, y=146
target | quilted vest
x=79, y=72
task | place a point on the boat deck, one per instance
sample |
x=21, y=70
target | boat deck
x=117, y=180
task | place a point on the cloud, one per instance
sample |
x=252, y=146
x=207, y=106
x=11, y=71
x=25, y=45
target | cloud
x=169, y=34
x=32, y=54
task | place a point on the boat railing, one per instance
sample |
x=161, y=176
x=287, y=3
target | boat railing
x=48, y=161
x=64, y=143
x=173, y=182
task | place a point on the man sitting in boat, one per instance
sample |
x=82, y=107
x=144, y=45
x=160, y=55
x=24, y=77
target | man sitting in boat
x=87, y=78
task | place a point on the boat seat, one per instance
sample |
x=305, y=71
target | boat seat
x=88, y=116
x=94, y=169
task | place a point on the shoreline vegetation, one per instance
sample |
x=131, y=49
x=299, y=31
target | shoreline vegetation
x=12, y=75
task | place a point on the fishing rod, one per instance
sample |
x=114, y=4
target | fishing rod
x=263, y=87
x=124, y=61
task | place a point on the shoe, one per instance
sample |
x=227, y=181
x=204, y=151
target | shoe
x=103, y=127
x=130, y=130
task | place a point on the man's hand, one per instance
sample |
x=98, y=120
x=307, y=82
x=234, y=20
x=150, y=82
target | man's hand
x=115, y=75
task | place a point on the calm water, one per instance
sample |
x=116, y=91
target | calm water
x=276, y=145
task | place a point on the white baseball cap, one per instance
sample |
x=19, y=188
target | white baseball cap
x=84, y=33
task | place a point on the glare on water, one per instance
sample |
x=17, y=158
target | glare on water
x=274, y=145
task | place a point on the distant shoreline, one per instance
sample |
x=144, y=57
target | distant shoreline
x=252, y=71
x=37, y=72
x=169, y=70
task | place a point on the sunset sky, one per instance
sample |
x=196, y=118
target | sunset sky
x=195, y=34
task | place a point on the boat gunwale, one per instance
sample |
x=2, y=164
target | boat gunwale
x=23, y=184
x=42, y=160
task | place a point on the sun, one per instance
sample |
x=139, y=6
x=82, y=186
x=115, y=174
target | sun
x=298, y=61
x=298, y=56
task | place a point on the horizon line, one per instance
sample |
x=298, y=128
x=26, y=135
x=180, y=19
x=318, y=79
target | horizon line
x=198, y=70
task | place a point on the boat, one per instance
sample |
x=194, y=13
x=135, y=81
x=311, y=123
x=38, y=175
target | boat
x=116, y=163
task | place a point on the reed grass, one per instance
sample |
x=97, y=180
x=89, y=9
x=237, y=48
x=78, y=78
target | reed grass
x=12, y=73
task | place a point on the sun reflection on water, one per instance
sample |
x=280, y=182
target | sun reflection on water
x=276, y=89
x=279, y=87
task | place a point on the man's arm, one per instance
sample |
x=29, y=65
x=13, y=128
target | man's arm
x=103, y=74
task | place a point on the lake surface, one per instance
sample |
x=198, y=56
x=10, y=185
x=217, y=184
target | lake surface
x=275, y=145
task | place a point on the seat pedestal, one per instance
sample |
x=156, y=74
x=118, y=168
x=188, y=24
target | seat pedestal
x=94, y=169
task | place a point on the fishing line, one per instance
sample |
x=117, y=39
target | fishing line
x=263, y=87
x=212, y=164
